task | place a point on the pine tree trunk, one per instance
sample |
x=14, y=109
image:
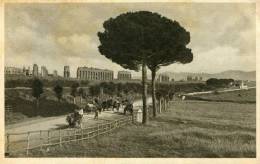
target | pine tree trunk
x=144, y=79
x=160, y=106
x=165, y=105
x=37, y=106
x=37, y=103
x=153, y=93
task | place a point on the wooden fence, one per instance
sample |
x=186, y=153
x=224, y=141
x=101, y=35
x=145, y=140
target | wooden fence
x=25, y=142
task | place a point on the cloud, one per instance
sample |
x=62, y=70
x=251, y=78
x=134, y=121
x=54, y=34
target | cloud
x=222, y=34
x=216, y=60
x=77, y=45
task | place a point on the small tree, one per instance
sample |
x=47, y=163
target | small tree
x=81, y=92
x=94, y=90
x=74, y=90
x=58, y=89
x=37, y=90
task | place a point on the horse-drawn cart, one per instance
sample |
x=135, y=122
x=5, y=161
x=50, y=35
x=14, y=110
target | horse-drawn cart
x=75, y=119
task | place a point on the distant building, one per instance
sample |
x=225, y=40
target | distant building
x=66, y=72
x=85, y=73
x=27, y=72
x=24, y=71
x=124, y=75
x=163, y=78
x=189, y=78
x=241, y=84
x=201, y=79
x=35, y=70
x=44, y=71
x=55, y=73
x=196, y=78
x=13, y=71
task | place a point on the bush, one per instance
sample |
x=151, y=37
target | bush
x=219, y=82
x=27, y=82
x=215, y=92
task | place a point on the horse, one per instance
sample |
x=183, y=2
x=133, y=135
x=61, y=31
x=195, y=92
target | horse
x=104, y=105
x=75, y=119
x=129, y=107
x=90, y=107
x=107, y=104
x=116, y=104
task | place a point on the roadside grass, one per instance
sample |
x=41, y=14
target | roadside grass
x=241, y=96
x=198, y=129
x=24, y=109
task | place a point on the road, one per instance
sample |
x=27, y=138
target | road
x=57, y=122
x=60, y=121
x=18, y=137
x=206, y=92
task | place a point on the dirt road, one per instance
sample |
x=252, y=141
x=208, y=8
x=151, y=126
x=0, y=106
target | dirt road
x=18, y=138
x=220, y=91
x=60, y=121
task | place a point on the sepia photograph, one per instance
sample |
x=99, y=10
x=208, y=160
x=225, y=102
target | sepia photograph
x=130, y=80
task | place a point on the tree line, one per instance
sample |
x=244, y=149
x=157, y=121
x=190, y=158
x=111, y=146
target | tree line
x=163, y=90
x=114, y=89
x=213, y=82
x=12, y=83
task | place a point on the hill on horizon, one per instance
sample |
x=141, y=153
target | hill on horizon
x=233, y=74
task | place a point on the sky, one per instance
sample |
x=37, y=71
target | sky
x=54, y=35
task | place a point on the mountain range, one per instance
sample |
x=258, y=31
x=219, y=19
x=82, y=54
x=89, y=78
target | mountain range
x=233, y=74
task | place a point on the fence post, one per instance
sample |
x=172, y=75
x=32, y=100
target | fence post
x=75, y=133
x=41, y=139
x=48, y=137
x=82, y=135
x=98, y=130
x=60, y=138
x=164, y=107
x=164, y=101
x=88, y=134
x=68, y=135
x=28, y=143
x=113, y=123
x=7, y=142
x=109, y=128
x=160, y=105
x=166, y=104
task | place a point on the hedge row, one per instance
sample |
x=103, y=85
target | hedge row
x=12, y=83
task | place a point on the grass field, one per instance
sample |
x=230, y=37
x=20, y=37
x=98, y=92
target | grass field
x=241, y=96
x=23, y=109
x=187, y=129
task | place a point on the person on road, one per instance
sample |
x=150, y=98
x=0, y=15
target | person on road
x=97, y=108
x=128, y=107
